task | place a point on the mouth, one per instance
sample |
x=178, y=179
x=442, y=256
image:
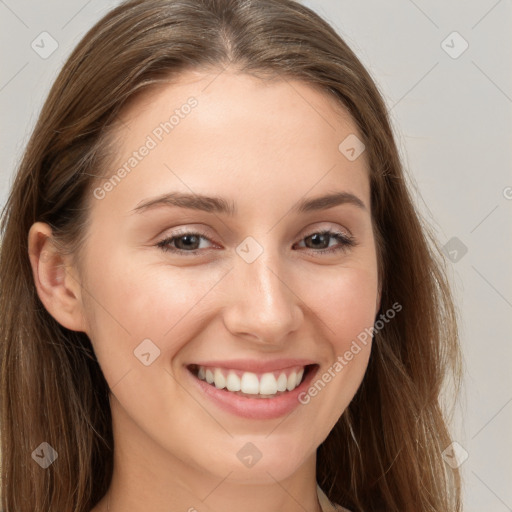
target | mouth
x=266, y=385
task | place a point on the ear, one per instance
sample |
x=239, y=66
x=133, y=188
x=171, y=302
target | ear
x=55, y=279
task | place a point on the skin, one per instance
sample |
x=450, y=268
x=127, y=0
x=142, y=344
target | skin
x=264, y=145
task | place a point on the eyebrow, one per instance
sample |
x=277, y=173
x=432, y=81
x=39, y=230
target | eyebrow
x=220, y=205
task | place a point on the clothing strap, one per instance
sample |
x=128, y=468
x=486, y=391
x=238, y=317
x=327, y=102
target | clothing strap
x=326, y=504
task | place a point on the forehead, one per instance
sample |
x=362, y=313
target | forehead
x=218, y=131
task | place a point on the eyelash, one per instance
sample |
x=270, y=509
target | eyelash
x=346, y=242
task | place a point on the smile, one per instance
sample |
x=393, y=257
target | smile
x=262, y=385
x=252, y=394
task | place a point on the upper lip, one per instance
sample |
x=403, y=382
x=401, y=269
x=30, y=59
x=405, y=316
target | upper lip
x=255, y=365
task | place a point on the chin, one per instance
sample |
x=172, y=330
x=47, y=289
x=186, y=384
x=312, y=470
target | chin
x=263, y=459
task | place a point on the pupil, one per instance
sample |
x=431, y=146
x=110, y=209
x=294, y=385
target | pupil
x=316, y=238
x=190, y=240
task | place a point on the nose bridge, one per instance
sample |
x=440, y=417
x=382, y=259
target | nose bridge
x=264, y=304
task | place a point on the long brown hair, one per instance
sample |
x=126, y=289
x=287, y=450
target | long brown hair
x=385, y=452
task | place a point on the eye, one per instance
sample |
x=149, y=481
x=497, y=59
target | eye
x=319, y=242
x=182, y=242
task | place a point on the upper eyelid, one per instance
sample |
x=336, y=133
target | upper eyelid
x=316, y=226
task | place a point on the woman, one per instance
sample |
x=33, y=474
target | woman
x=217, y=293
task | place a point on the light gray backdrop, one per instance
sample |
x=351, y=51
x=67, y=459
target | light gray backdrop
x=444, y=70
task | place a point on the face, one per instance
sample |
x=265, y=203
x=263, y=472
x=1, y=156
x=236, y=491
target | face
x=250, y=288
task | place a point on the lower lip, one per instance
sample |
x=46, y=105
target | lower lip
x=255, y=408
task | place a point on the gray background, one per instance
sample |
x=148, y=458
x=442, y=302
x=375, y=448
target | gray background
x=452, y=118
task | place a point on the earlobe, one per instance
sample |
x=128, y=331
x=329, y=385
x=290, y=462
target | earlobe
x=57, y=287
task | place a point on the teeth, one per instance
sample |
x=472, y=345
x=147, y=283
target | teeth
x=218, y=379
x=250, y=383
x=281, y=382
x=299, y=376
x=266, y=385
x=292, y=380
x=233, y=382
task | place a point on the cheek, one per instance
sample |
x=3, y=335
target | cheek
x=346, y=306
x=346, y=302
x=129, y=302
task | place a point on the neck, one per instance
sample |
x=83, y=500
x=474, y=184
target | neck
x=283, y=501
x=148, y=477
x=141, y=487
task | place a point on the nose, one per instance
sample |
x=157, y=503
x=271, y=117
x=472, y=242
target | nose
x=263, y=306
